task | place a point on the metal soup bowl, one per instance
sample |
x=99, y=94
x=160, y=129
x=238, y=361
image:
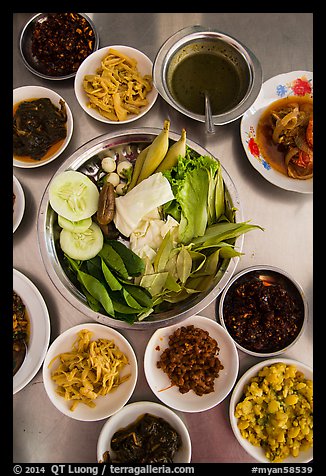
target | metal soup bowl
x=127, y=142
x=198, y=40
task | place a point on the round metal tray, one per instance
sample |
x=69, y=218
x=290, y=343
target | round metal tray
x=128, y=142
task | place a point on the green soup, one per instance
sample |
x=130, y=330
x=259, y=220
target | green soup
x=213, y=72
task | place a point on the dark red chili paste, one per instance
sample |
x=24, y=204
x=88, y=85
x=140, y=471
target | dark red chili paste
x=61, y=42
x=262, y=315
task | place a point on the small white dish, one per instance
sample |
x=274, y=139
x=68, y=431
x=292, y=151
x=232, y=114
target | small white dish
x=26, y=93
x=18, y=203
x=90, y=65
x=39, y=337
x=256, y=451
x=160, y=382
x=130, y=413
x=294, y=83
x=105, y=405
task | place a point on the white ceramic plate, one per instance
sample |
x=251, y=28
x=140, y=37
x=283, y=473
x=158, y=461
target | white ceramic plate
x=37, y=92
x=19, y=203
x=105, y=405
x=160, y=382
x=39, y=329
x=295, y=83
x=130, y=413
x=256, y=451
x=90, y=65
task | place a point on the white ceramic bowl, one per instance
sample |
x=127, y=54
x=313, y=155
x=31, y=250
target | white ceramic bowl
x=90, y=65
x=36, y=92
x=160, y=383
x=19, y=203
x=105, y=405
x=256, y=451
x=130, y=413
x=39, y=335
x=294, y=83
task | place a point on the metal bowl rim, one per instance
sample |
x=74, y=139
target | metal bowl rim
x=35, y=71
x=44, y=243
x=172, y=44
x=282, y=272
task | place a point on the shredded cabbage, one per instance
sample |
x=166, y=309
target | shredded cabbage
x=148, y=236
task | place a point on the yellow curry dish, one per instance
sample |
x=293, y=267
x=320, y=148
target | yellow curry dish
x=276, y=411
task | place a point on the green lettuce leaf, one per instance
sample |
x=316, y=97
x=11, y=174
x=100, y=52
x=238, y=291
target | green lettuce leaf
x=197, y=202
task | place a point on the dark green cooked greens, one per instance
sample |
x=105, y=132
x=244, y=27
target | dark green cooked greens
x=150, y=439
x=37, y=125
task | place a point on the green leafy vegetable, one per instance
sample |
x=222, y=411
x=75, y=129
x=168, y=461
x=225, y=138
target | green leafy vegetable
x=106, y=281
x=184, y=264
x=113, y=260
x=134, y=265
x=192, y=256
x=198, y=189
x=94, y=287
x=111, y=280
x=222, y=231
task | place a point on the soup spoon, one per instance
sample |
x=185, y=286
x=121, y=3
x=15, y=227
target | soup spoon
x=209, y=123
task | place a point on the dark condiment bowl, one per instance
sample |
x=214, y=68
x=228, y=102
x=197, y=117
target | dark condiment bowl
x=191, y=43
x=32, y=63
x=264, y=310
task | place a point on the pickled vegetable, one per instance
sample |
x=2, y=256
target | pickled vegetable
x=106, y=204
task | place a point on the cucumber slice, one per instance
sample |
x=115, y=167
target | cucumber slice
x=82, y=246
x=73, y=195
x=75, y=226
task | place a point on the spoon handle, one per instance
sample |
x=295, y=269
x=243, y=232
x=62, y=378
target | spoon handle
x=209, y=124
